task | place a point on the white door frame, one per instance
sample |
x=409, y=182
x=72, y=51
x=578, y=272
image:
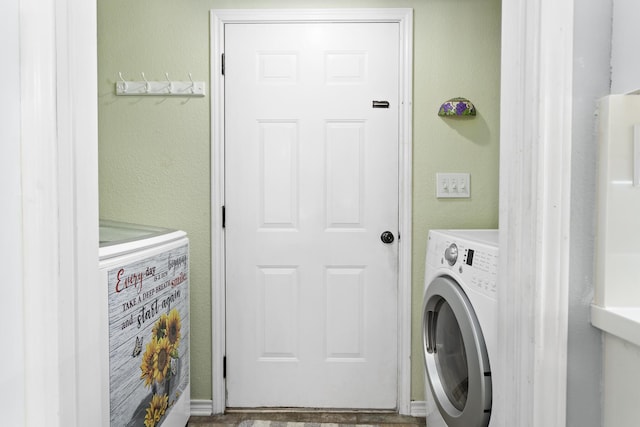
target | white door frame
x=524, y=30
x=57, y=220
x=535, y=194
x=404, y=17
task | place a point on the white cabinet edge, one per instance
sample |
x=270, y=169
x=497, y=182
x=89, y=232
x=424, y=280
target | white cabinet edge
x=623, y=322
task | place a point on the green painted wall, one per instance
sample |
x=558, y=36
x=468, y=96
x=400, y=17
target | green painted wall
x=155, y=156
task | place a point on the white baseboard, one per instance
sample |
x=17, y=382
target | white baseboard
x=201, y=407
x=204, y=408
x=418, y=408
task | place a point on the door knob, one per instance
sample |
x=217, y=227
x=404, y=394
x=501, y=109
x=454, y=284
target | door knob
x=387, y=237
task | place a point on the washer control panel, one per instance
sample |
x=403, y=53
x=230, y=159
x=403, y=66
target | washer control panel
x=481, y=270
x=474, y=263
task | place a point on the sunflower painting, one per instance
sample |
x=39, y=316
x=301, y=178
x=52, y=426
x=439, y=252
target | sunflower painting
x=155, y=411
x=173, y=329
x=162, y=359
x=160, y=327
x=146, y=366
x=149, y=340
x=156, y=364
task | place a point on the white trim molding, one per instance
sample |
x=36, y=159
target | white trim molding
x=535, y=167
x=40, y=279
x=418, y=408
x=59, y=148
x=219, y=18
x=13, y=397
x=201, y=407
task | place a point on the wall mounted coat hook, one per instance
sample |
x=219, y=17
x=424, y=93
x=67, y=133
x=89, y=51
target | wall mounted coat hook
x=122, y=82
x=170, y=85
x=147, y=85
x=192, y=83
x=166, y=87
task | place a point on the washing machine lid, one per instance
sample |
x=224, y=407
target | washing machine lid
x=455, y=355
x=119, y=238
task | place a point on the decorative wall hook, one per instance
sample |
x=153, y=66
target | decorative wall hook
x=192, y=83
x=123, y=82
x=170, y=86
x=147, y=85
x=165, y=87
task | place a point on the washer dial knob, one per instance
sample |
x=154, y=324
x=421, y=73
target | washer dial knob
x=451, y=254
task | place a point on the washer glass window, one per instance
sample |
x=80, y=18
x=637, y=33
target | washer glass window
x=450, y=356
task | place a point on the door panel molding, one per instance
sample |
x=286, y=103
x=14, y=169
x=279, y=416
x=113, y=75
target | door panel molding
x=219, y=18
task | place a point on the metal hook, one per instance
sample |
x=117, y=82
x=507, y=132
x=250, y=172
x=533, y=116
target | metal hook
x=125, y=86
x=147, y=85
x=170, y=86
x=192, y=87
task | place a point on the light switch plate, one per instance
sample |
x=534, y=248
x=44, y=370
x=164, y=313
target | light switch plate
x=453, y=185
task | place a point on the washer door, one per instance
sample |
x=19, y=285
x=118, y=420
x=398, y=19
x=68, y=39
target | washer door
x=455, y=355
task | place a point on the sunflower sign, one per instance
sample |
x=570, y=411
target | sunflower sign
x=148, y=338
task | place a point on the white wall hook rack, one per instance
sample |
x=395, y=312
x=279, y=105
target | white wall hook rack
x=165, y=87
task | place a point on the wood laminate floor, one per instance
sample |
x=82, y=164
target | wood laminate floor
x=235, y=417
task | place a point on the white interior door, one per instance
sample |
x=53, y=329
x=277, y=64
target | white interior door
x=311, y=183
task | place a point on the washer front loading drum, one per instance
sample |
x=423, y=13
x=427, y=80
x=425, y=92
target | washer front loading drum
x=455, y=355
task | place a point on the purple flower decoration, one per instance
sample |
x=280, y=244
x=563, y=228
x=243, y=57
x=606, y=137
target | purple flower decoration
x=457, y=107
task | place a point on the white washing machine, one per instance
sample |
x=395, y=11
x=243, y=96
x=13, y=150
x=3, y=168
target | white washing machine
x=459, y=327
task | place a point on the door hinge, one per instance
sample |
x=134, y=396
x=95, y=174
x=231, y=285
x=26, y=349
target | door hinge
x=224, y=367
x=222, y=61
x=224, y=217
